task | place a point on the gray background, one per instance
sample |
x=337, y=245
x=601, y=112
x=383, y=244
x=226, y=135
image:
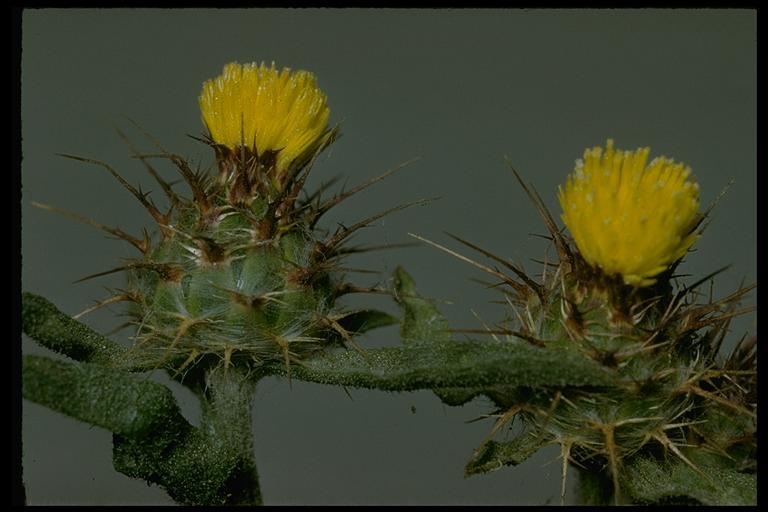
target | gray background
x=461, y=89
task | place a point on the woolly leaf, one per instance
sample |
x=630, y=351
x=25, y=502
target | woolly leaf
x=673, y=482
x=422, y=321
x=362, y=321
x=43, y=322
x=457, y=396
x=430, y=365
x=124, y=403
x=213, y=465
x=494, y=455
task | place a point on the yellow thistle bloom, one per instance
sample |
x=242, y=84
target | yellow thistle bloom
x=265, y=110
x=627, y=217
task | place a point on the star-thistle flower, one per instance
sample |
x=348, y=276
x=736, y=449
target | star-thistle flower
x=630, y=217
x=269, y=112
x=239, y=272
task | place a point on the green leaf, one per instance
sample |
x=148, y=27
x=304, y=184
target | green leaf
x=362, y=321
x=43, y=322
x=494, y=455
x=213, y=464
x=457, y=396
x=430, y=365
x=422, y=321
x=124, y=403
x=651, y=482
x=193, y=472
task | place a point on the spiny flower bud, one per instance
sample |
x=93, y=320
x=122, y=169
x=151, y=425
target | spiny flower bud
x=239, y=273
x=628, y=217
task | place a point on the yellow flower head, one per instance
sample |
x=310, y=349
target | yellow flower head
x=265, y=110
x=629, y=217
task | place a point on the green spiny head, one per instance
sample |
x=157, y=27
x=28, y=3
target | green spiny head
x=611, y=298
x=238, y=272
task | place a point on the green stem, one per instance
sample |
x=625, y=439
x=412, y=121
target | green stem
x=594, y=487
x=445, y=364
x=213, y=464
x=226, y=424
x=43, y=322
x=125, y=403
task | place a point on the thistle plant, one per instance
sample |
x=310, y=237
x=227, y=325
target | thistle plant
x=237, y=280
x=677, y=423
x=603, y=354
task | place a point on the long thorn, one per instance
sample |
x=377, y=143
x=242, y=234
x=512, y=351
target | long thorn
x=530, y=339
x=147, y=135
x=613, y=461
x=533, y=285
x=371, y=248
x=722, y=401
x=172, y=197
x=338, y=238
x=706, y=215
x=565, y=453
x=141, y=245
x=472, y=262
x=322, y=209
x=704, y=279
x=110, y=300
x=164, y=269
x=142, y=198
x=318, y=192
x=662, y=438
x=563, y=250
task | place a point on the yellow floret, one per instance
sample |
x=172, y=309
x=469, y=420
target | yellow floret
x=627, y=217
x=265, y=110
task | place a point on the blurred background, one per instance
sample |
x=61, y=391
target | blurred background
x=461, y=89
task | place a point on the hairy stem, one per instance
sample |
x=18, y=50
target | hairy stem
x=43, y=322
x=124, y=403
x=594, y=488
x=212, y=464
x=227, y=426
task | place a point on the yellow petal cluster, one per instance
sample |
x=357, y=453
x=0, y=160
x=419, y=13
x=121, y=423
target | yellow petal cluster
x=630, y=217
x=265, y=110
